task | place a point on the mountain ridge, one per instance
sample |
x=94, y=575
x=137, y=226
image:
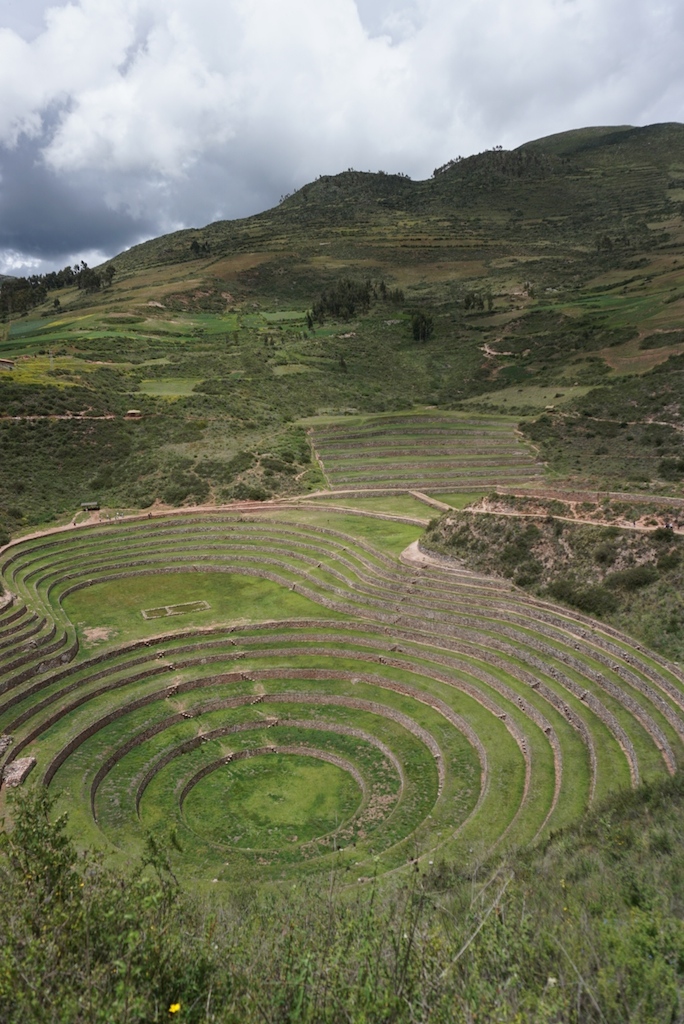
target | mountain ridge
x=467, y=184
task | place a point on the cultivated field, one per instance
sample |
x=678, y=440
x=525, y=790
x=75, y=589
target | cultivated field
x=308, y=698
x=434, y=452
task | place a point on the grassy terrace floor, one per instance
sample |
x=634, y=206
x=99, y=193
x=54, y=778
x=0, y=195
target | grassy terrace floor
x=428, y=451
x=312, y=697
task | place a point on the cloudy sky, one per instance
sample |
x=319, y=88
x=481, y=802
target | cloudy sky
x=122, y=119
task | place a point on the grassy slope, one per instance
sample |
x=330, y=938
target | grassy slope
x=586, y=929
x=577, y=239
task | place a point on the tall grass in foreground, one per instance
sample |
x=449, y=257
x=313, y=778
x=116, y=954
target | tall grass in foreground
x=587, y=928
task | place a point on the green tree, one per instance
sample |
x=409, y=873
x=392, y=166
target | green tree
x=422, y=326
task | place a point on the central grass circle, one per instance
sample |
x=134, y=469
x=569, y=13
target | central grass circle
x=271, y=801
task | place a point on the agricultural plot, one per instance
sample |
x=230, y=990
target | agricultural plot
x=355, y=710
x=433, y=452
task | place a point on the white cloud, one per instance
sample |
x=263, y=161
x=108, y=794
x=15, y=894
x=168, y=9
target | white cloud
x=12, y=262
x=184, y=109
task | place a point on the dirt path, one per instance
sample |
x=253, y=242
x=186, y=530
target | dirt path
x=413, y=556
x=427, y=500
x=621, y=525
x=237, y=508
x=306, y=502
x=65, y=416
x=317, y=459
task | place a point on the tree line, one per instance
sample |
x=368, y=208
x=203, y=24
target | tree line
x=346, y=298
x=18, y=295
x=516, y=163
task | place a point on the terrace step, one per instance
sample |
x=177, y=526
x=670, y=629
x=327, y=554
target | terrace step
x=567, y=699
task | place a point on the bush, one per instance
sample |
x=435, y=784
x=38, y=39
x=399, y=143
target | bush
x=518, y=548
x=79, y=943
x=249, y=492
x=669, y=561
x=239, y=463
x=528, y=573
x=593, y=600
x=277, y=465
x=671, y=469
x=605, y=553
x=632, y=579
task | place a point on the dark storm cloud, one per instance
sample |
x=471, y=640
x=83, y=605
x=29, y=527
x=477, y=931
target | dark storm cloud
x=49, y=217
x=123, y=118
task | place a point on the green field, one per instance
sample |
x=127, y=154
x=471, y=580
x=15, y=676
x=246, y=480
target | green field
x=399, y=504
x=116, y=608
x=429, y=451
x=298, y=694
x=171, y=387
x=269, y=801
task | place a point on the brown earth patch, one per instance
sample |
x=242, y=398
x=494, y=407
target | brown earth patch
x=95, y=634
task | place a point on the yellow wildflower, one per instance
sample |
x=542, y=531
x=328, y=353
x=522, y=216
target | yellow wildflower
x=174, y=1007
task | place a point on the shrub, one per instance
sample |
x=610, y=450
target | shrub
x=277, y=465
x=669, y=561
x=528, y=573
x=563, y=589
x=632, y=579
x=239, y=463
x=593, y=600
x=79, y=943
x=249, y=492
x=182, y=485
x=605, y=553
x=518, y=548
x=671, y=469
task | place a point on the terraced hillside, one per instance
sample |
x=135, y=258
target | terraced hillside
x=285, y=694
x=433, y=451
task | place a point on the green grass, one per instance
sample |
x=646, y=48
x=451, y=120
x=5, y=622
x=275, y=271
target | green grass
x=402, y=504
x=117, y=606
x=529, y=398
x=386, y=536
x=170, y=387
x=269, y=801
x=457, y=500
x=286, y=369
x=373, y=669
x=285, y=316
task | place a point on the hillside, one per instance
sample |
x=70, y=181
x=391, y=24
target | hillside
x=586, y=929
x=340, y=614
x=542, y=273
